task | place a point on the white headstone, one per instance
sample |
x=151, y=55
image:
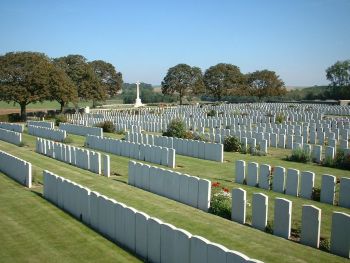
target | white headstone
x=259, y=211
x=238, y=212
x=344, y=192
x=340, y=235
x=240, y=171
x=328, y=189
x=278, y=179
x=282, y=217
x=310, y=226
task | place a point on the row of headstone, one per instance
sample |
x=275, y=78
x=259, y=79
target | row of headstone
x=310, y=222
x=48, y=133
x=122, y=125
x=12, y=127
x=281, y=133
x=10, y=136
x=190, y=190
x=148, y=237
x=44, y=124
x=239, y=111
x=282, y=138
x=16, y=168
x=142, y=152
x=82, y=158
x=291, y=182
x=80, y=129
x=192, y=148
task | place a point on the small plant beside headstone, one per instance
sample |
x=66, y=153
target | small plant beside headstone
x=220, y=203
x=299, y=155
x=232, y=144
x=107, y=126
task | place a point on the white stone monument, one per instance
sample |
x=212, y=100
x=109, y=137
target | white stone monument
x=138, y=102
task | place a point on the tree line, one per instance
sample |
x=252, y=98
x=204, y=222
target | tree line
x=30, y=77
x=221, y=80
x=224, y=81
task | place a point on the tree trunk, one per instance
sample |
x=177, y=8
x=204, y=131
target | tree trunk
x=23, y=111
x=180, y=99
x=62, y=106
x=93, y=104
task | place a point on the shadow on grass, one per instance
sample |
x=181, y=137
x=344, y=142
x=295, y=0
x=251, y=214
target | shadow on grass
x=120, y=181
x=36, y=192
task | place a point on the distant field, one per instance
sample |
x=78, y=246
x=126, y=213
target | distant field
x=6, y=108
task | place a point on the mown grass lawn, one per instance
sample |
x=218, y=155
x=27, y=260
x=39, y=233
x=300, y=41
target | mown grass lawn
x=252, y=242
x=34, y=230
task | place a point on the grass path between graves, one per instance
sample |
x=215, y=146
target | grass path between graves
x=34, y=230
x=252, y=242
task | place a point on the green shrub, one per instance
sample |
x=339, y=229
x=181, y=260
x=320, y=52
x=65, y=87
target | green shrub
x=325, y=244
x=329, y=162
x=269, y=227
x=245, y=150
x=68, y=140
x=200, y=137
x=296, y=231
x=211, y=113
x=22, y=144
x=220, y=204
x=176, y=128
x=232, y=144
x=299, y=155
x=342, y=160
x=316, y=194
x=60, y=118
x=188, y=135
x=107, y=126
x=258, y=152
x=280, y=118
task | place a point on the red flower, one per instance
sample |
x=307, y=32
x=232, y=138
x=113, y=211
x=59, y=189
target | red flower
x=225, y=189
x=215, y=184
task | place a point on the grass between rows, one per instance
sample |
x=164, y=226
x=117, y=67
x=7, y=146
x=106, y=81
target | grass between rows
x=245, y=239
x=34, y=230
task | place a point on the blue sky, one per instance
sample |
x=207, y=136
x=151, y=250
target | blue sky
x=298, y=39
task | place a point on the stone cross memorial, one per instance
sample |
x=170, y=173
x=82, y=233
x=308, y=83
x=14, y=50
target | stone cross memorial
x=138, y=102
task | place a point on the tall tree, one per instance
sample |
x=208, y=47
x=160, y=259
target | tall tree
x=262, y=83
x=224, y=79
x=339, y=76
x=62, y=88
x=83, y=76
x=183, y=79
x=109, y=78
x=24, y=78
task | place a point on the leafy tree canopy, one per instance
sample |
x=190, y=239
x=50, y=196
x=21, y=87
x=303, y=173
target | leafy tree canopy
x=62, y=88
x=109, y=78
x=224, y=79
x=339, y=76
x=264, y=83
x=132, y=86
x=24, y=78
x=183, y=79
x=83, y=76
